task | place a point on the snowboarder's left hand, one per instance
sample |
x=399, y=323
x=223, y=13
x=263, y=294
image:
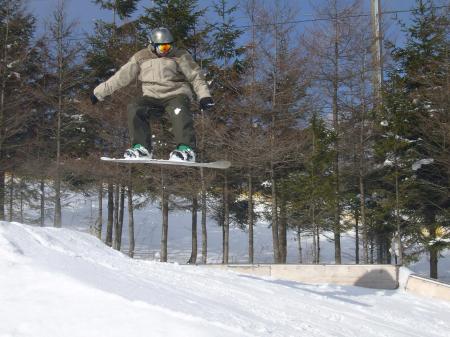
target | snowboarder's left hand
x=94, y=99
x=206, y=103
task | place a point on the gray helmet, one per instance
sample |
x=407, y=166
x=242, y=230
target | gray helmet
x=161, y=35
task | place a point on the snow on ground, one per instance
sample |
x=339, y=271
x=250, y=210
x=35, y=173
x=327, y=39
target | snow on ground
x=61, y=282
x=80, y=212
x=83, y=211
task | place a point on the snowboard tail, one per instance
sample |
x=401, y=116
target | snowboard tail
x=220, y=164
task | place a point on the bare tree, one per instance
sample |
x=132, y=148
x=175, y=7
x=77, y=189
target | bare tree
x=328, y=44
x=280, y=114
x=67, y=76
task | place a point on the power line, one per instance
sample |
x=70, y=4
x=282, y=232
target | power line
x=290, y=22
x=333, y=19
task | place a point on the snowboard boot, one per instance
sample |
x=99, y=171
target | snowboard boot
x=182, y=153
x=137, y=152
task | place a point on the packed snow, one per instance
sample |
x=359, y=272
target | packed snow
x=65, y=283
x=80, y=212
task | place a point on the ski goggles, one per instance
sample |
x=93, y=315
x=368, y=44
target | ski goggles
x=164, y=48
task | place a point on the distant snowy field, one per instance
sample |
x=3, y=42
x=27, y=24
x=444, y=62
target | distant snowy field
x=65, y=283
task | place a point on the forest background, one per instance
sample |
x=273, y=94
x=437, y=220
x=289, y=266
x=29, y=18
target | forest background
x=299, y=114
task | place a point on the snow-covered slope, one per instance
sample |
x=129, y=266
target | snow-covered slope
x=80, y=213
x=59, y=282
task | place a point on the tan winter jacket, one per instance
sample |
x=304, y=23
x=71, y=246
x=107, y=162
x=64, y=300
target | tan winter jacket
x=161, y=77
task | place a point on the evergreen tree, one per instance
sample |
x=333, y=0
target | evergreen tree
x=416, y=102
x=391, y=177
x=110, y=47
x=16, y=30
x=225, y=34
x=181, y=17
x=122, y=8
x=309, y=188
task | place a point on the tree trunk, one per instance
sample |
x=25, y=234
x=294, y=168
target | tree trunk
x=434, y=263
x=109, y=226
x=130, y=220
x=371, y=252
x=362, y=193
x=275, y=240
x=363, y=217
x=282, y=230
x=397, y=218
x=99, y=225
x=337, y=218
x=165, y=227
x=250, y=220
x=337, y=215
x=2, y=193
x=22, y=187
x=3, y=61
x=222, y=226
x=226, y=221
x=42, y=197
x=57, y=220
x=11, y=197
x=299, y=243
x=2, y=113
x=318, y=244
x=314, y=246
x=312, y=201
x=2, y=173
x=193, y=258
x=204, y=231
x=251, y=249
x=165, y=219
x=121, y=214
x=276, y=247
x=356, y=238
x=430, y=223
x=116, y=216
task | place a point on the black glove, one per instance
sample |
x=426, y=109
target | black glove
x=206, y=103
x=94, y=99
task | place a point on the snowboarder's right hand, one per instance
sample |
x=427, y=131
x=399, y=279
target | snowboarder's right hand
x=94, y=99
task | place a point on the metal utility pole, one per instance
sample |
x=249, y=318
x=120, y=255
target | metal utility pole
x=375, y=9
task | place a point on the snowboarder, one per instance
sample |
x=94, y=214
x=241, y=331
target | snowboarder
x=168, y=75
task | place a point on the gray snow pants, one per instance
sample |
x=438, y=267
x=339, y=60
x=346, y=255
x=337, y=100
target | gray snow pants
x=142, y=110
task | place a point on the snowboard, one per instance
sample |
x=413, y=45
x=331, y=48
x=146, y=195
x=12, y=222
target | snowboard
x=220, y=164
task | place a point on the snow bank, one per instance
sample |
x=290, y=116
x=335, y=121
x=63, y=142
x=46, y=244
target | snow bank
x=59, y=282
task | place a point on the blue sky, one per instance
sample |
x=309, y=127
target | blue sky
x=85, y=11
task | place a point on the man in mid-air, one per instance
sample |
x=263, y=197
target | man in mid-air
x=169, y=76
